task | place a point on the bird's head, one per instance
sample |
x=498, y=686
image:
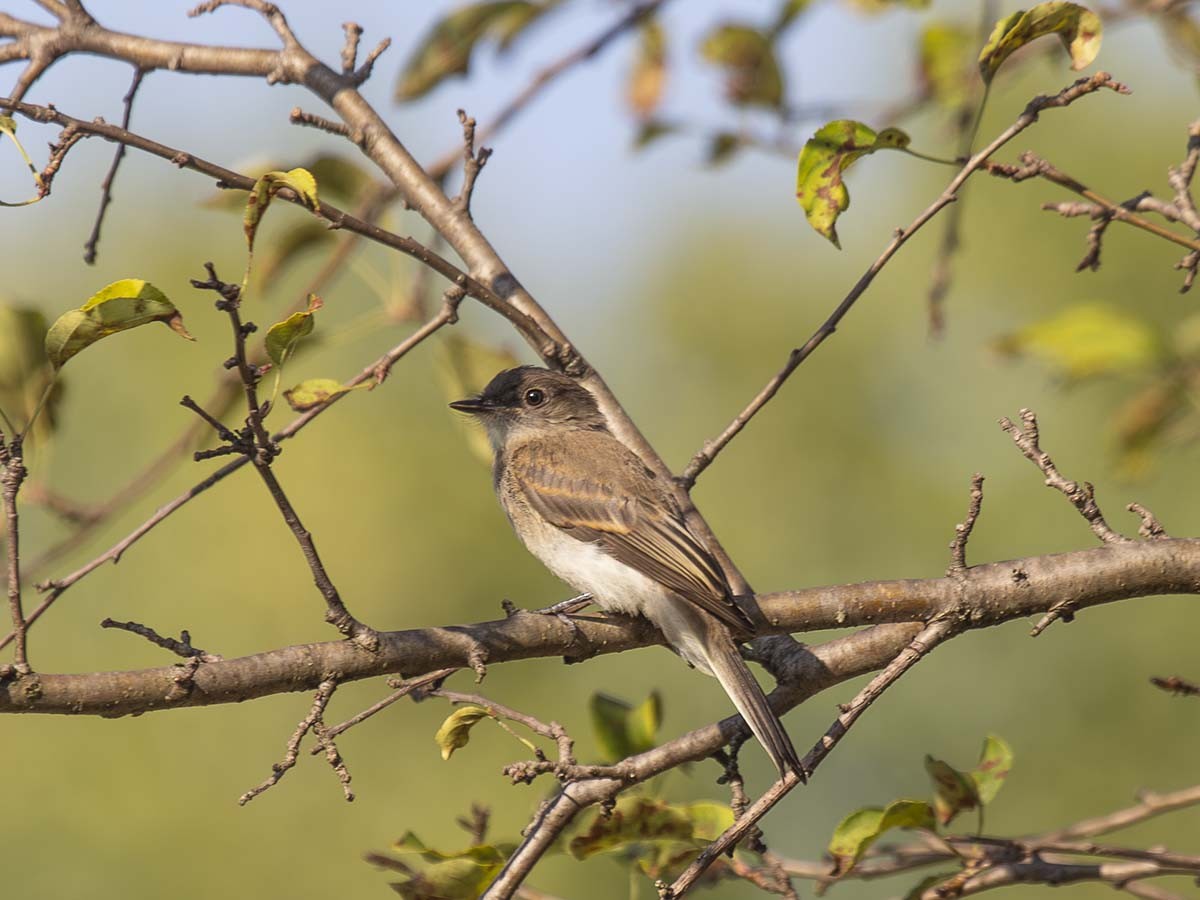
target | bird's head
x=530, y=401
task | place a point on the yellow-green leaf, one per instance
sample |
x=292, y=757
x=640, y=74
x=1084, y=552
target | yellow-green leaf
x=995, y=762
x=954, y=791
x=430, y=874
x=314, y=392
x=456, y=730
x=1084, y=341
x=747, y=56
x=661, y=837
x=856, y=833
x=820, y=189
x=300, y=181
x=282, y=337
x=446, y=50
x=945, y=64
x=118, y=307
x=622, y=729
x=8, y=126
x=1076, y=26
x=649, y=75
x=24, y=375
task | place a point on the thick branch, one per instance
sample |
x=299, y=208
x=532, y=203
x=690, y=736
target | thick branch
x=984, y=595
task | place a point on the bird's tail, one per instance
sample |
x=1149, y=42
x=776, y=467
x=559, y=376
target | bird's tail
x=721, y=654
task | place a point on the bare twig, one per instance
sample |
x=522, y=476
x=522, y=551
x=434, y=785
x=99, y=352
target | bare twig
x=89, y=247
x=962, y=533
x=402, y=691
x=473, y=162
x=67, y=139
x=314, y=722
x=1081, y=88
x=1151, y=529
x=1178, y=686
x=350, y=49
x=181, y=647
x=311, y=120
x=12, y=476
x=1081, y=494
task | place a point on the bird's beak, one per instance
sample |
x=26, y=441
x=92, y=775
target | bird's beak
x=472, y=405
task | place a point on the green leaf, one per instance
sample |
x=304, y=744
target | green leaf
x=440, y=875
x=661, y=837
x=644, y=90
x=859, y=830
x=954, y=791
x=826, y=156
x=1085, y=341
x=8, y=126
x=650, y=131
x=118, y=307
x=339, y=178
x=282, y=337
x=995, y=762
x=465, y=366
x=456, y=730
x=24, y=375
x=722, y=147
x=1077, y=27
x=945, y=64
x=747, y=56
x=314, y=392
x=447, y=49
x=300, y=181
x=623, y=730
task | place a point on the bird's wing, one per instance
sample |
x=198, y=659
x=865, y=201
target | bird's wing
x=620, y=507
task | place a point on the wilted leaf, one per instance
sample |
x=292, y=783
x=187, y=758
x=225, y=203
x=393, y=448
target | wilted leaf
x=456, y=730
x=859, y=830
x=995, y=762
x=954, y=791
x=447, y=49
x=621, y=729
x=465, y=367
x=1076, y=26
x=747, y=56
x=820, y=189
x=282, y=337
x=266, y=187
x=945, y=64
x=8, y=126
x=1084, y=341
x=663, y=838
x=649, y=75
x=314, y=392
x=120, y=306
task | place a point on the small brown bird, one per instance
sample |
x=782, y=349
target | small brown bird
x=586, y=506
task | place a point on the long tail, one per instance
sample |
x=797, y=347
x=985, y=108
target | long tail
x=727, y=665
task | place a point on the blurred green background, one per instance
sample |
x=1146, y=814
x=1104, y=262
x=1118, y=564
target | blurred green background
x=686, y=286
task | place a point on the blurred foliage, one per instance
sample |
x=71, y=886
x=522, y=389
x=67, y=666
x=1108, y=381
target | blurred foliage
x=857, y=471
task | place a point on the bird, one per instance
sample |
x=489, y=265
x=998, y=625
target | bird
x=608, y=525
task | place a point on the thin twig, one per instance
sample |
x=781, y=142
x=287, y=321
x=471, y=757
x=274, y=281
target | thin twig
x=89, y=247
x=181, y=647
x=311, y=120
x=962, y=533
x=412, y=684
x=1083, y=87
x=1178, y=686
x=12, y=476
x=473, y=162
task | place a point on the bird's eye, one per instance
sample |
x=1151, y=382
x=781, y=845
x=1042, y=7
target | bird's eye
x=534, y=397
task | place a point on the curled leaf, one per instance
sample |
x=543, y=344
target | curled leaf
x=118, y=307
x=301, y=181
x=820, y=190
x=456, y=730
x=954, y=791
x=1077, y=27
x=8, y=126
x=282, y=337
x=858, y=831
x=314, y=392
